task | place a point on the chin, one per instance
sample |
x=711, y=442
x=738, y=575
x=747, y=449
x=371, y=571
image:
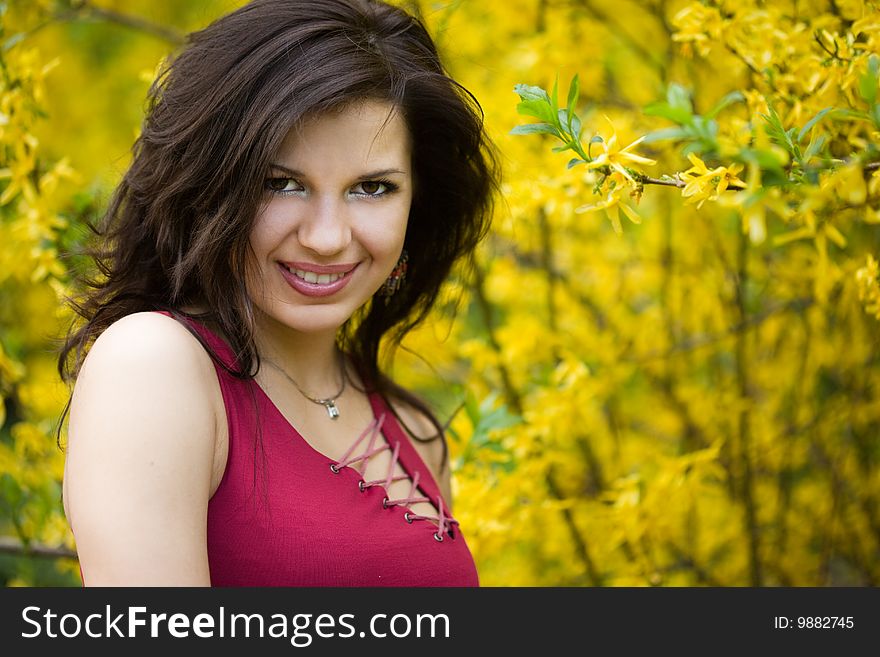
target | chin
x=310, y=319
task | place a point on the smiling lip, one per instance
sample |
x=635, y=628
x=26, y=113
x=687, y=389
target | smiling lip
x=320, y=269
x=317, y=289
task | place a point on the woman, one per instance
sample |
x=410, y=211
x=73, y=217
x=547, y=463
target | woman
x=306, y=177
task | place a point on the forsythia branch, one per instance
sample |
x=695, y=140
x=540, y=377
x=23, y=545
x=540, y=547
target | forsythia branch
x=9, y=545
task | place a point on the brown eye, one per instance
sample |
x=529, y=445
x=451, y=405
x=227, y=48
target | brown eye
x=282, y=185
x=375, y=188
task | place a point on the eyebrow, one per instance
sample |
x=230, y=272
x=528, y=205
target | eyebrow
x=372, y=174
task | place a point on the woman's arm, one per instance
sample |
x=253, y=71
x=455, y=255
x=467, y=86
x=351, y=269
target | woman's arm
x=139, y=457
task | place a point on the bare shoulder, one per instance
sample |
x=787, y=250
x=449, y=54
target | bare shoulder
x=144, y=336
x=155, y=354
x=141, y=444
x=432, y=451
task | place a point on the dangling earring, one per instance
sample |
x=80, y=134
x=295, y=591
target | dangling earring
x=395, y=281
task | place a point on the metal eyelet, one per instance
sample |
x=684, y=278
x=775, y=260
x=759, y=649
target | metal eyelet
x=438, y=538
x=361, y=485
x=407, y=518
x=385, y=503
x=334, y=469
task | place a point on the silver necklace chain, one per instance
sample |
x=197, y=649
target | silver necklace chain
x=329, y=403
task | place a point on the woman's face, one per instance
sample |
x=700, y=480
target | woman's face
x=332, y=228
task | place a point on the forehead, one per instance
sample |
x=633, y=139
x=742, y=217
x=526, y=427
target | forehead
x=368, y=134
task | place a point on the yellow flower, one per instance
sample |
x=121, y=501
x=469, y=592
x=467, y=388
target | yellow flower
x=612, y=189
x=616, y=157
x=847, y=182
x=867, y=278
x=707, y=184
x=698, y=26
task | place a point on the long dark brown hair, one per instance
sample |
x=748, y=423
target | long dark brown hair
x=176, y=231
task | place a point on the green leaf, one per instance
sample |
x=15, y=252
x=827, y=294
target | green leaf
x=538, y=109
x=563, y=116
x=869, y=81
x=843, y=113
x=816, y=144
x=496, y=418
x=535, y=128
x=13, y=40
x=573, y=93
x=729, y=99
x=678, y=98
x=666, y=133
x=767, y=160
x=574, y=162
x=527, y=92
x=706, y=129
x=677, y=107
x=554, y=95
x=776, y=132
x=677, y=115
x=812, y=122
x=575, y=126
x=773, y=117
x=471, y=408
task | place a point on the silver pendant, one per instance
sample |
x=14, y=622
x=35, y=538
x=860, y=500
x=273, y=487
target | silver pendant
x=330, y=404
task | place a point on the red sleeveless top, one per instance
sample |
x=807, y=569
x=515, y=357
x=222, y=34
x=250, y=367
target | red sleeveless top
x=286, y=515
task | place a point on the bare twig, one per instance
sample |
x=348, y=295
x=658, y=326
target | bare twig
x=697, y=341
x=745, y=433
x=580, y=543
x=10, y=545
x=85, y=9
x=668, y=181
x=510, y=393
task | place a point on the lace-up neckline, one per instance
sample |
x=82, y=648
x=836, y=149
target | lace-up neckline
x=403, y=452
x=444, y=522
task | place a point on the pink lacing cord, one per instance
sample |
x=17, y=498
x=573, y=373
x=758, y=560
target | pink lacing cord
x=444, y=522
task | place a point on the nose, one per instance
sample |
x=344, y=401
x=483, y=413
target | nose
x=325, y=228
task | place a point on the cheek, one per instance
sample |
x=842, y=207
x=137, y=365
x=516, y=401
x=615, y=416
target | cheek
x=385, y=237
x=267, y=232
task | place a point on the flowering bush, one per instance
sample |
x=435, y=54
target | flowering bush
x=685, y=394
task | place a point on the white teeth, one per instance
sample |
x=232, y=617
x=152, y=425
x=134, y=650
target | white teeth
x=312, y=277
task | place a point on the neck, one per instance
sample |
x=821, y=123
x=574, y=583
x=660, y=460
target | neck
x=310, y=359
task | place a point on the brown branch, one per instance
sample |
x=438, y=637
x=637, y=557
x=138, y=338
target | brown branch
x=687, y=561
x=755, y=71
x=510, y=393
x=667, y=182
x=834, y=55
x=580, y=542
x=697, y=341
x=745, y=460
x=638, y=45
x=10, y=545
x=694, y=436
x=85, y=9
